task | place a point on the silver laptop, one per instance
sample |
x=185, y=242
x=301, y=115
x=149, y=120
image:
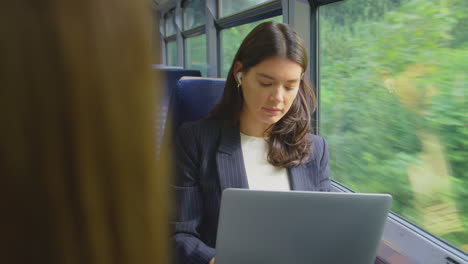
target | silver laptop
x=273, y=227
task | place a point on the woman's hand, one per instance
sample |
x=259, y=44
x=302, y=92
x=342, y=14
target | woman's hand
x=212, y=261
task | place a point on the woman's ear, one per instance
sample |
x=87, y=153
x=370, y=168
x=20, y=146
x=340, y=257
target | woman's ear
x=236, y=70
x=239, y=77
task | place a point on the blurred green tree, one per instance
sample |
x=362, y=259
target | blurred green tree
x=393, y=76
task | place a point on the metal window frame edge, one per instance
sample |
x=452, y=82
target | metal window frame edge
x=257, y=6
x=256, y=13
x=193, y=32
x=170, y=38
x=212, y=38
x=314, y=60
x=162, y=35
x=177, y=36
x=178, y=20
x=164, y=15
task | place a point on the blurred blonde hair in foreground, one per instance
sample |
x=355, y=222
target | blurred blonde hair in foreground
x=77, y=98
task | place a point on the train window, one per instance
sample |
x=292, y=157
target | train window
x=171, y=48
x=170, y=24
x=231, y=39
x=393, y=106
x=195, y=53
x=193, y=14
x=228, y=7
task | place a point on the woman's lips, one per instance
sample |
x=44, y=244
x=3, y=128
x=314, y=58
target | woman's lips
x=271, y=111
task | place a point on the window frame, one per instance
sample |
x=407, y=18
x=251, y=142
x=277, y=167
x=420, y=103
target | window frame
x=194, y=32
x=184, y=6
x=263, y=11
x=170, y=14
x=260, y=5
x=170, y=39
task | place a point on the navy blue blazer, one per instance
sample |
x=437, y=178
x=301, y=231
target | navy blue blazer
x=209, y=160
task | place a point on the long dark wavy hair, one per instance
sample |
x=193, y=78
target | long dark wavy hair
x=288, y=142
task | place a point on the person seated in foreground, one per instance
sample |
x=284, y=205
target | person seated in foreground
x=77, y=159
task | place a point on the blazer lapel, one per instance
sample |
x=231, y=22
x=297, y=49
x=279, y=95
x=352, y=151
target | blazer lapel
x=229, y=159
x=304, y=177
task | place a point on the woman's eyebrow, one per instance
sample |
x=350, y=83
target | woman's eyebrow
x=272, y=78
x=265, y=76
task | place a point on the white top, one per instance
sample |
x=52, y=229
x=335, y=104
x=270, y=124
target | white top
x=261, y=175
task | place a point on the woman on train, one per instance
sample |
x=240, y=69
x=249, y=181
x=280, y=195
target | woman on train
x=257, y=137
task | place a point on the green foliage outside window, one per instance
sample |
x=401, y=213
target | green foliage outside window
x=195, y=54
x=393, y=79
x=171, y=48
x=232, y=38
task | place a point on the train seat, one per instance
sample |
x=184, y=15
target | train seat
x=195, y=97
x=170, y=76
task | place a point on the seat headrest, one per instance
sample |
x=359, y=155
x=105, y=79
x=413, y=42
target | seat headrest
x=170, y=77
x=195, y=98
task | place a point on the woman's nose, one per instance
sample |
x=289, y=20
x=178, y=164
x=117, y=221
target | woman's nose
x=277, y=94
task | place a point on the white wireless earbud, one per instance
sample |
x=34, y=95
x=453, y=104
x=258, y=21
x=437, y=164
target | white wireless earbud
x=239, y=76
